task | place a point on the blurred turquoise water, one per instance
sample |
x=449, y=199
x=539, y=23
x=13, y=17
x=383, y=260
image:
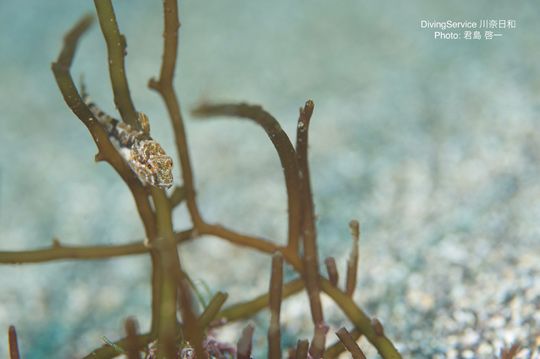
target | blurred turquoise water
x=415, y=137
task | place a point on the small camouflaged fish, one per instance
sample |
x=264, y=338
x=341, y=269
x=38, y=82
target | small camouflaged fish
x=144, y=155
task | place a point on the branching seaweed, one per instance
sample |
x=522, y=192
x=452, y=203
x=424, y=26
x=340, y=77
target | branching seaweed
x=171, y=293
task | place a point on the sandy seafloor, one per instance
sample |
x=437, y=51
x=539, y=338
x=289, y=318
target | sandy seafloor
x=433, y=145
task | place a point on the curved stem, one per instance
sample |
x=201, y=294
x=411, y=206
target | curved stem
x=116, y=50
x=284, y=148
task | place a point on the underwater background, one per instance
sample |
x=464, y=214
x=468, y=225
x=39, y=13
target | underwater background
x=433, y=145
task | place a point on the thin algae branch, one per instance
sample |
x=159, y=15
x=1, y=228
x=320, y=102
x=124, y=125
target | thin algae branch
x=132, y=340
x=13, y=343
x=245, y=343
x=334, y=350
x=309, y=234
x=274, y=305
x=212, y=309
x=248, y=309
x=191, y=329
x=59, y=251
x=352, y=263
x=350, y=343
x=331, y=269
x=164, y=87
x=302, y=349
x=116, y=50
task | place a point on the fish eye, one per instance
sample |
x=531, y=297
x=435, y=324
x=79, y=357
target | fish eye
x=149, y=166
